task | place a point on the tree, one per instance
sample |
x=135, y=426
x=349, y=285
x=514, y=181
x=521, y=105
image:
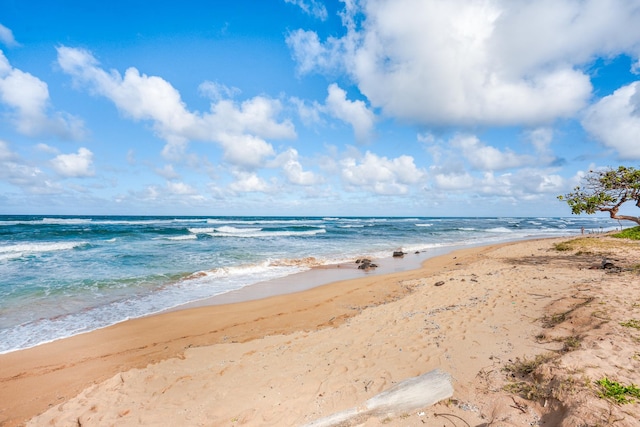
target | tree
x=606, y=191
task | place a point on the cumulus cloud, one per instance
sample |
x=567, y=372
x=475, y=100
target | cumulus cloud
x=180, y=188
x=16, y=171
x=381, y=175
x=28, y=99
x=499, y=62
x=521, y=185
x=355, y=113
x=309, y=114
x=293, y=170
x=240, y=129
x=336, y=105
x=314, y=8
x=455, y=180
x=615, y=121
x=247, y=182
x=171, y=193
x=46, y=148
x=524, y=184
x=488, y=158
x=311, y=54
x=540, y=138
x=6, y=37
x=464, y=162
x=217, y=91
x=167, y=172
x=76, y=165
x=246, y=150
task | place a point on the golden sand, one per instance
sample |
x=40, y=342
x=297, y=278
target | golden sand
x=507, y=322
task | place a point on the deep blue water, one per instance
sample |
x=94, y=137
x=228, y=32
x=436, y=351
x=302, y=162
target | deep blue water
x=60, y=276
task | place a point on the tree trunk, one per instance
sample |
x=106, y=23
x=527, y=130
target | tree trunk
x=635, y=219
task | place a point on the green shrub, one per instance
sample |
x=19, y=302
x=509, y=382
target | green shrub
x=617, y=392
x=629, y=233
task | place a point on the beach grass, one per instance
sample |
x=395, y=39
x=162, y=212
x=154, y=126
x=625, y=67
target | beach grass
x=629, y=233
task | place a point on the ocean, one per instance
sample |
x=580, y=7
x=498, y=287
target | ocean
x=65, y=275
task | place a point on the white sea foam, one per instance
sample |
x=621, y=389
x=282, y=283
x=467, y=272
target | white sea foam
x=424, y=225
x=65, y=221
x=202, y=230
x=30, y=248
x=270, y=233
x=283, y=221
x=231, y=271
x=233, y=230
x=499, y=230
x=8, y=256
x=198, y=286
x=185, y=237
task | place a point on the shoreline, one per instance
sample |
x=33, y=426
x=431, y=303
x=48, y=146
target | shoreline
x=322, y=275
x=62, y=368
x=294, y=358
x=327, y=274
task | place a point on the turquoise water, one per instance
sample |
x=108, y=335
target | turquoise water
x=60, y=276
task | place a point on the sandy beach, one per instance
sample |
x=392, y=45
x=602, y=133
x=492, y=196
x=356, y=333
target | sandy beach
x=524, y=329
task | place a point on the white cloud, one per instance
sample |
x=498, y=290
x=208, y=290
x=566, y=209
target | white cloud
x=241, y=129
x=311, y=54
x=426, y=138
x=167, y=172
x=246, y=151
x=615, y=121
x=525, y=184
x=217, y=91
x=292, y=169
x=355, y=113
x=463, y=162
x=46, y=148
x=6, y=37
x=541, y=139
x=20, y=173
x=79, y=164
x=247, y=182
x=314, y=8
x=180, y=188
x=5, y=152
x=488, y=158
x=453, y=180
x=381, y=175
x=28, y=98
x=499, y=62
x=309, y=114
x=521, y=185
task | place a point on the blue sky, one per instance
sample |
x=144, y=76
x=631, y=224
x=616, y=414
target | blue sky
x=304, y=107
